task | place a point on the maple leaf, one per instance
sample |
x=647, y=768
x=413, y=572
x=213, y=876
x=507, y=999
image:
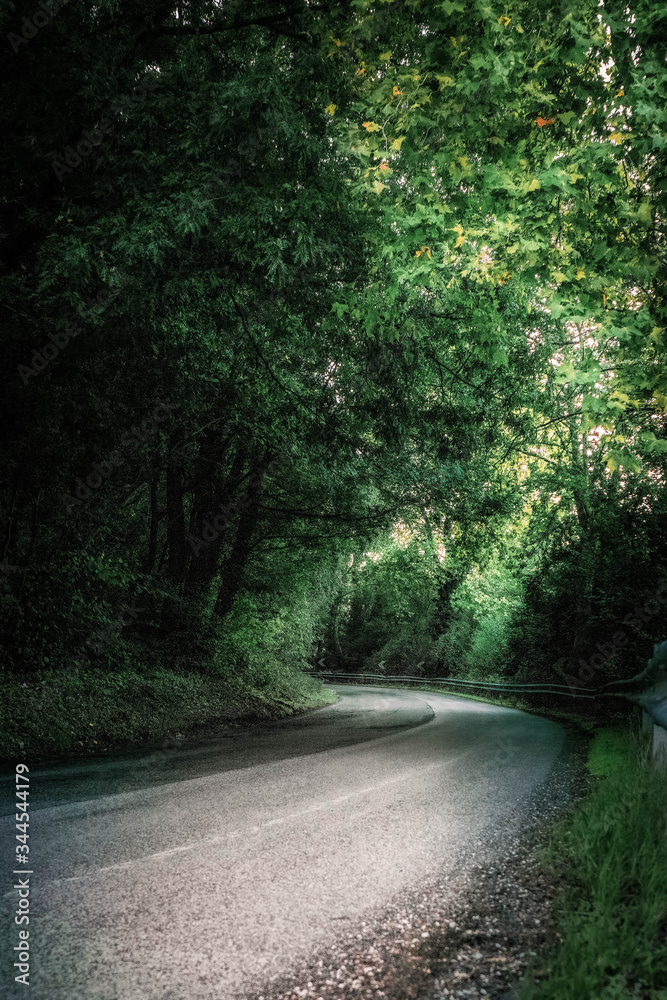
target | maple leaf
x=544, y=121
x=330, y=109
x=396, y=91
x=371, y=126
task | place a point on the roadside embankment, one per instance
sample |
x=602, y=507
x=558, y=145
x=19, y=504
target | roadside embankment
x=608, y=856
x=79, y=712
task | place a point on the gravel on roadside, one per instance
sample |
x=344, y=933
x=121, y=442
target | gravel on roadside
x=468, y=932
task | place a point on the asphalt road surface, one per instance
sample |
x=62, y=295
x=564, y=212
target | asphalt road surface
x=198, y=871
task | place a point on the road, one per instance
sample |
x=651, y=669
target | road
x=197, y=872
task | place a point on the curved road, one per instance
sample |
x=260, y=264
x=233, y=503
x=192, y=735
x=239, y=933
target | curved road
x=198, y=871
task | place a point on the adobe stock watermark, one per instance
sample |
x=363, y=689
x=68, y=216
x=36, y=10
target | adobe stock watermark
x=73, y=158
x=129, y=442
x=635, y=619
x=61, y=338
x=213, y=528
x=31, y=25
x=101, y=639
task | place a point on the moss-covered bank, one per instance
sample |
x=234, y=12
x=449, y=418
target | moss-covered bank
x=55, y=714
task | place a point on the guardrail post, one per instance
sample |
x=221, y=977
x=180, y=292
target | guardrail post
x=659, y=746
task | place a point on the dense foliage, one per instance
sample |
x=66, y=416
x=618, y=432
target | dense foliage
x=333, y=332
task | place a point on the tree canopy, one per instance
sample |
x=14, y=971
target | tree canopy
x=286, y=284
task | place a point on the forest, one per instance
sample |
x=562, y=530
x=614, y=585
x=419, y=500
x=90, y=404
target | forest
x=333, y=336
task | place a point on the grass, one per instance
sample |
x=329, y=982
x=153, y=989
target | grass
x=53, y=714
x=610, y=853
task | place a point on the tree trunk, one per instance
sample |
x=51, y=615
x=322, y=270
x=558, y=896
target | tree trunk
x=234, y=566
x=172, y=619
x=176, y=540
x=149, y=561
x=210, y=499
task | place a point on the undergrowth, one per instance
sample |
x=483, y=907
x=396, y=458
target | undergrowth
x=610, y=853
x=51, y=714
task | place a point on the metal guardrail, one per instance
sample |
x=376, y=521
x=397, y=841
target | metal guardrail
x=648, y=689
x=559, y=689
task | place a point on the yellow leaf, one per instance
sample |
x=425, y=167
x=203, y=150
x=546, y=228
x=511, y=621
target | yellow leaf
x=397, y=143
x=460, y=240
x=446, y=81
x=612, y=464
x=534, y=185
x=655, y=333
x=580, y=274
x=617, y=138
x=372, y=126
x=463, y=160
x=559, y=276
x=385, y=56
x=396, y=92
x=518, y=28
x=458, y=228
x=504, y=20
x=330, y=108
x=660, y=401
x=378, y=187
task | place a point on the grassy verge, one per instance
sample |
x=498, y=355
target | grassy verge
x=54, y=714
x=610, y=853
